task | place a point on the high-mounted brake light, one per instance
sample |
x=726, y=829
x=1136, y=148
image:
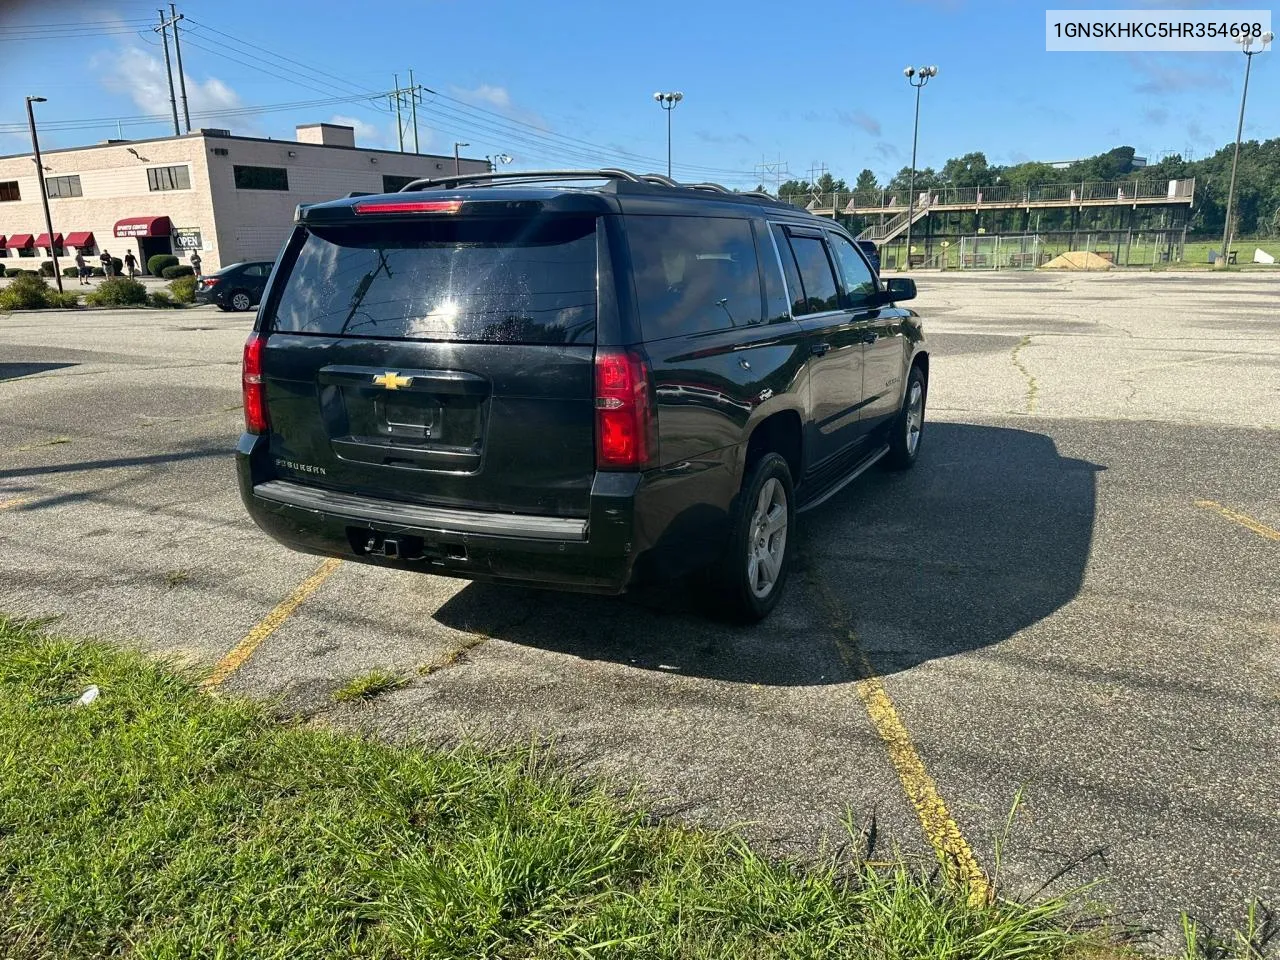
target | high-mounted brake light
x=255, y=401
x=626, y=432
x=409, y=206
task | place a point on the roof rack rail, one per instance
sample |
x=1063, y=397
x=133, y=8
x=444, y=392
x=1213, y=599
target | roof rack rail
x=615, y=174
x=459, y=180
x=712, y=187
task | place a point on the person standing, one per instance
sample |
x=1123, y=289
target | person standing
x=195, y=262
x=131, y=264
x=82, y=268
x=107, y=271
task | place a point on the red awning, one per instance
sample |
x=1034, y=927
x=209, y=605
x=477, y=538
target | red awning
x=43, y=240
x=20, y=241
x=84, y=238
x=143, y=227
x=2, y=241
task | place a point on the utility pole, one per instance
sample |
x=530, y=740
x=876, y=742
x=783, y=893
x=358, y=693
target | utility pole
x=44, y=193
x=457, y=159
x=168, y=69
x=917, y=78
x=410, y=97
x=413, y=107
x=174, y=17
x=399, y=124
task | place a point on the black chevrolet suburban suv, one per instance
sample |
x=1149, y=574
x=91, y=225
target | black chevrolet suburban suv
x=573, y=379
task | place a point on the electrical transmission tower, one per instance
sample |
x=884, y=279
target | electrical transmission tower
x=773, y=172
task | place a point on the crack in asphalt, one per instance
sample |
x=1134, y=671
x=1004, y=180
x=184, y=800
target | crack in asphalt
x=1033, y=387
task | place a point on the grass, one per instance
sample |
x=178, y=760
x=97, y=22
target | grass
x=369, y=685
x=176, y=578
x=159, y=822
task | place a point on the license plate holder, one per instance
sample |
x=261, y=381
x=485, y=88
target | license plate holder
x=418, y=418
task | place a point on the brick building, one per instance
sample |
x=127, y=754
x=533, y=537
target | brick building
x=230, y=197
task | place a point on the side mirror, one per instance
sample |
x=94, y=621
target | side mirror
x=899, y=288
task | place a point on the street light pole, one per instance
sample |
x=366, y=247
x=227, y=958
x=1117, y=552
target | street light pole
x=457, y=160
x=668, y=101
x=917, y=78
x=1246, y=44
x=44, y=194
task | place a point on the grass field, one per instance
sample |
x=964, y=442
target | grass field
x=161, y=822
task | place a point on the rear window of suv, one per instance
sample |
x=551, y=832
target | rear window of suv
x=474, y=280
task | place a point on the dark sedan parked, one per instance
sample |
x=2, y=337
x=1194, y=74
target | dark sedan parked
x=235, y=287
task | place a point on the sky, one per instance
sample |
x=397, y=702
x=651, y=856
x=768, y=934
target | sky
x=550, y=84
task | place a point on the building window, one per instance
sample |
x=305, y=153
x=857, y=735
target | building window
x=63, y=186
x=392, y=183
x=169, y=178
x=221, y=151
x=9, y=191
x=261, y=178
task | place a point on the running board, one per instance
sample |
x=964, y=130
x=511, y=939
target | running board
x=862, y=467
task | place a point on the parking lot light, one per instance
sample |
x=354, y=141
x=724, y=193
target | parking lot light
x=44, y=193
x=917, y=78
x=668, y=101
x=1247, y=45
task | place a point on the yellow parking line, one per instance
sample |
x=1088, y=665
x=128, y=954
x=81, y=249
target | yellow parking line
x=243, y=650
x=15, y=502
x=1261, y=529
x=940, y=828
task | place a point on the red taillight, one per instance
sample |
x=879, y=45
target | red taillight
x=209, y=281
x=625, y=431
x=255, y=402
x=410, y=206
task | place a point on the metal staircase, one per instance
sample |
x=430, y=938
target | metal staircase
x=879, y=235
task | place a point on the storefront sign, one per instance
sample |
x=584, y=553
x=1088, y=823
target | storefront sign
x=187, y=238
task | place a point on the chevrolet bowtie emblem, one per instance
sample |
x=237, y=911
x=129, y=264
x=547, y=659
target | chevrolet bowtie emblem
x=392, y=380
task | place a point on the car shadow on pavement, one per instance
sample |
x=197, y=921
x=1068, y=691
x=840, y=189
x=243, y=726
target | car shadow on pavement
x=13, y=371
x=989, y=534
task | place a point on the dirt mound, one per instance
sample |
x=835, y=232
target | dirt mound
x=1077, y=260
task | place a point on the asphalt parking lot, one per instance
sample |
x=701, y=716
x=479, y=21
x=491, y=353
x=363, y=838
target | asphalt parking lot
x=1074, y=598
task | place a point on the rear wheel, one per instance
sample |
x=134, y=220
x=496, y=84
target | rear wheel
x=754, y=569
x=241, y=301
x=908, y=427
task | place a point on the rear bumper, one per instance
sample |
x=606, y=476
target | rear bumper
x=596, y=554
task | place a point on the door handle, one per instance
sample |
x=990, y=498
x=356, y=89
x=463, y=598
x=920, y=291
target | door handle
x=820, y=349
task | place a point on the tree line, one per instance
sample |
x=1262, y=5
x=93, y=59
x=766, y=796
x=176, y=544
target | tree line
x=1256, y=209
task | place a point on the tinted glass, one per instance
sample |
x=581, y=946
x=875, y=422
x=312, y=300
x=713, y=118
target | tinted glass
x=694, y=274
x=815, y=271
x=856, y=281
x=518, y=281
x=261, y=178
x=794, y=287
x=391, y=183
x=9, y=191
x=169, y=178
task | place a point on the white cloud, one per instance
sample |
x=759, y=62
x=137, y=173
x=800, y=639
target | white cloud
x=140, y=75
x=367, y=134
x=485, y=94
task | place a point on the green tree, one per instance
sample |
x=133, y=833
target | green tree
x=866, y=181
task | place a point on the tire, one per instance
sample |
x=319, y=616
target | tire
x=746, y=591
x=907, y=430
x=222, y=306
x=241, y=301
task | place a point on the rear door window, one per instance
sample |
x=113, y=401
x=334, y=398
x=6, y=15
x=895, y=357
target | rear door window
x=694, y=274
x=856, y=280
x=817, y=274
x=470, y=280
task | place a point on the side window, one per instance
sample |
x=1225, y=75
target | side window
x=795, y=288
x=776, y=307
x=694, y=274
x=856, y=281
x=816, y=273
x=254, y=271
